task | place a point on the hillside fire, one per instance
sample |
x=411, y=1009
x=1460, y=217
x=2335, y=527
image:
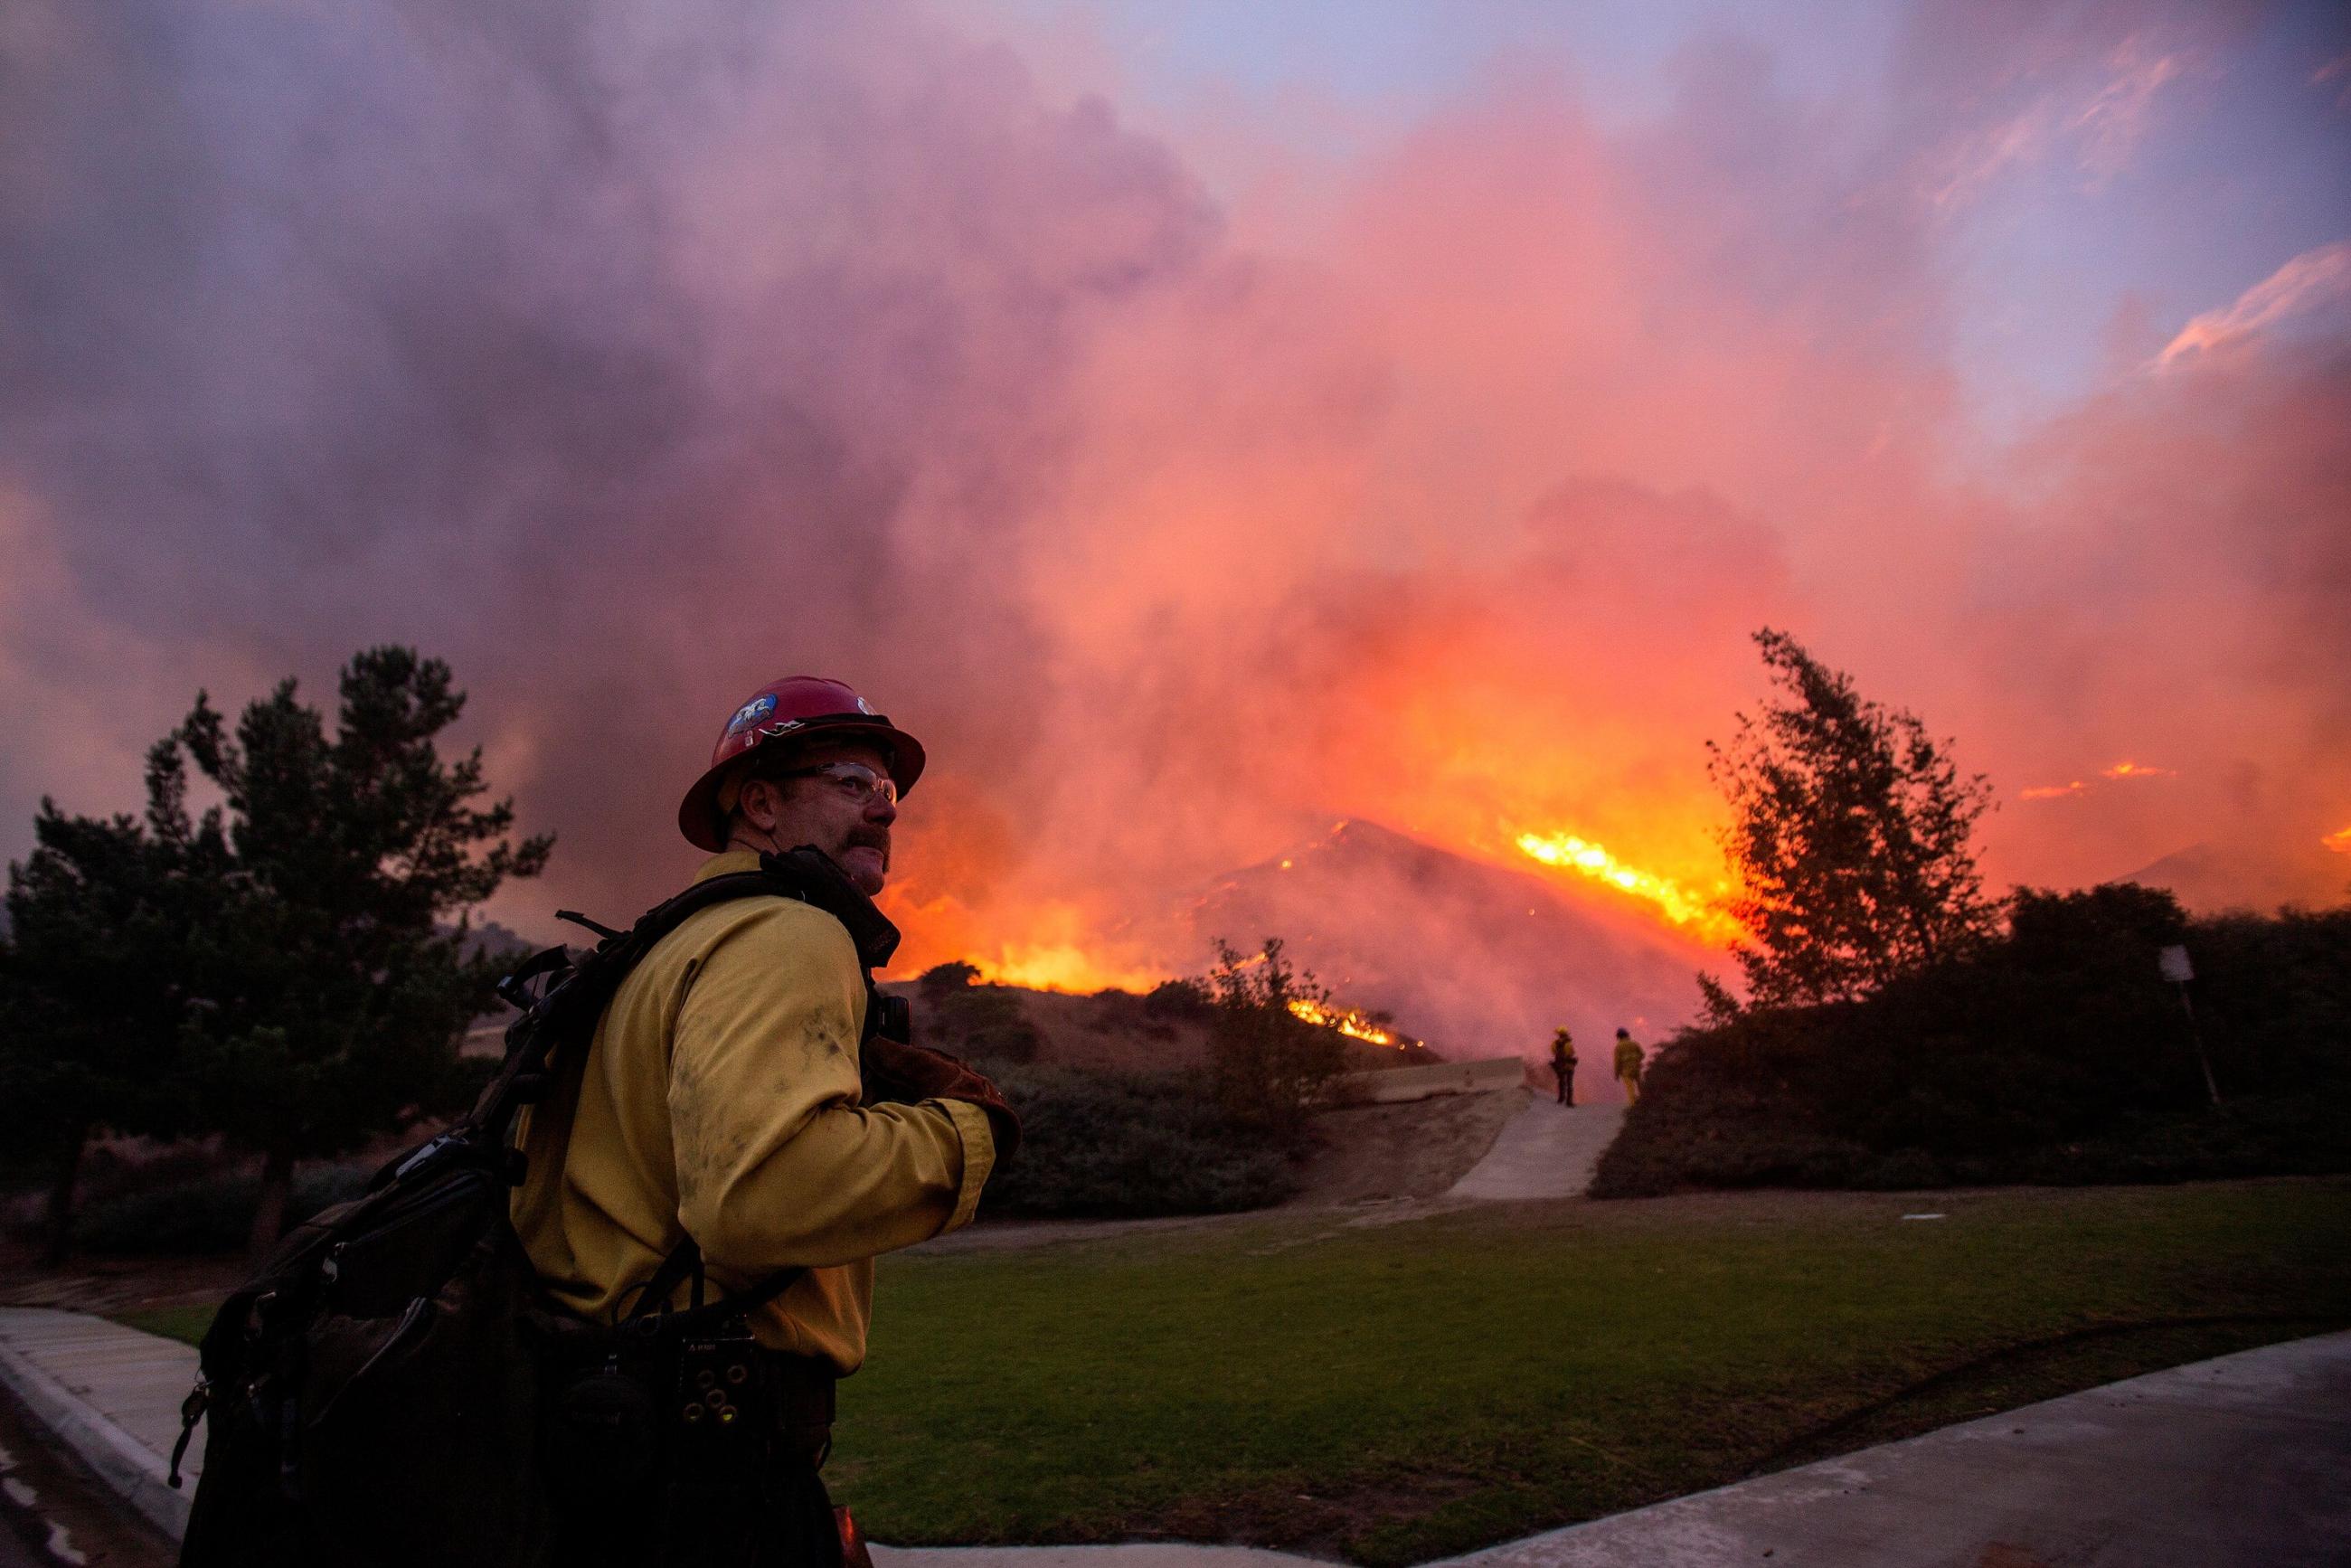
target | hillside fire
x=1695, y=913
x=1346, y=1020
x=1063, y=968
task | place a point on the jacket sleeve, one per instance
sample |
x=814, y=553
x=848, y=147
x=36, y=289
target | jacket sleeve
x=777, y=1163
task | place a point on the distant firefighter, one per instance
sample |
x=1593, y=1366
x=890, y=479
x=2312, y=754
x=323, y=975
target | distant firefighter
x=1629, y=1066
x=1562, y=1063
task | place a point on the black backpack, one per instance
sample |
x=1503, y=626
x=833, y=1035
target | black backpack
x=378, y=1393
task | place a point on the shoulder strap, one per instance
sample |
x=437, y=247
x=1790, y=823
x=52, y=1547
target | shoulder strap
x=564, y=1011
x=649, y=1303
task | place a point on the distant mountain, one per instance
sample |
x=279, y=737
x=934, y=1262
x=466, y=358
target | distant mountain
x=2208, y=878
x=488, y=938
x=1482, y=960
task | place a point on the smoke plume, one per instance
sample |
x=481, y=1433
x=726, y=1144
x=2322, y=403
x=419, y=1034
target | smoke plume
x=629, y=357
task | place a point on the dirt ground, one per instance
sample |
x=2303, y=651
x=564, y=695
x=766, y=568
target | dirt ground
x=1371, y=1154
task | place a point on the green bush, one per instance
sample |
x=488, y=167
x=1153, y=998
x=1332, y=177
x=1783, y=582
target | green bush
x=978, y=1021
x=1178, y=998
x=1128, y=1144
x=1270, y=1068
x=2056, y=1054
x=941, y=981
x=211, y=1213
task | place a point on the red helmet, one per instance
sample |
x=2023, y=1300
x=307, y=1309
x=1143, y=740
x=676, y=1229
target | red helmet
x=785, y=713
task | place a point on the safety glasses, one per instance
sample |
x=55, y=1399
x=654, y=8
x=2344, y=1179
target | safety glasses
x=854, y=780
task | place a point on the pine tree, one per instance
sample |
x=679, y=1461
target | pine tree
x=332, y=991
x=1851, y=836
x=90, y=993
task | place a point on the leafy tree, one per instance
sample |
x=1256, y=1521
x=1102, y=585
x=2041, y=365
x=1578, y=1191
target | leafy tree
x=942, y=981
x=1177, y=999
x=1851, y=834
x=332, y=993
x=1270, y=1068
x=91, y=1002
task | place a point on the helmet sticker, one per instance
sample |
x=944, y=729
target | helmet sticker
x=864, y=708
x=751, y=712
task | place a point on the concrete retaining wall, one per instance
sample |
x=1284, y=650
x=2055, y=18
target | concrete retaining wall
x=1397, y=1085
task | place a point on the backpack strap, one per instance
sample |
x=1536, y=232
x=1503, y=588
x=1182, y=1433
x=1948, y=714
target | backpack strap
x=649, y=1303
x=563, y=1012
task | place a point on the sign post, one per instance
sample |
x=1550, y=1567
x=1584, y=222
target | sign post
x=2173, y=965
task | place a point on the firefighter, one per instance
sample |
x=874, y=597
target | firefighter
x=729, y=1097
x=1562, y=1063
x=1629, y=1066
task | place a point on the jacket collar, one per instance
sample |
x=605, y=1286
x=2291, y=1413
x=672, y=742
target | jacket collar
x=808, y=874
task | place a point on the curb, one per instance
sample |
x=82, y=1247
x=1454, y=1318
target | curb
x=121, y=1460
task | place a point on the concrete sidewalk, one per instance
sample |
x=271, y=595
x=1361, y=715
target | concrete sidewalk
x=2242, y=1462
x=111, y=1394
x=1548, y=1150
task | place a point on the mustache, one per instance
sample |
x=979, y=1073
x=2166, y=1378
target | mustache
x=869, y=837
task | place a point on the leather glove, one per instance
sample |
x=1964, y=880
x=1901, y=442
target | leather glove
x=907, y=1074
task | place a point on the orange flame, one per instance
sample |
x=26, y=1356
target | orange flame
x=2340, y=842
x=1699, y=916
x=1061, y=967
x=2053, y=792
x=1346, y=1020
x=1055, y=945
x=2137, y=770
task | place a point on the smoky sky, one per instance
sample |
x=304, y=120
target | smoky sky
x=629, y=357
x=616, y=360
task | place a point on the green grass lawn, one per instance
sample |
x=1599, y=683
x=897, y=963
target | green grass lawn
x=184, y=1323
x=1399, y=1393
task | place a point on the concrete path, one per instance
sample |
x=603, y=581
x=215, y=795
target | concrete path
x=113, y=1395
x=1547, y=1150
x=2241, y=1462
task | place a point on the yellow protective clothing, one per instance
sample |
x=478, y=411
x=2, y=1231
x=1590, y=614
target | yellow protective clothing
x=1628, y=1060
x=721, y=1100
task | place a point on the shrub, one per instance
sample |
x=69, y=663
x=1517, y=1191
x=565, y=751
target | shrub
x=981, y=1021
x=1271, y=1069
x=941, y=981
x=1177, y=999
x=1120, y=1145
x=211, y=1213
x=2274, y=995
x=2056, y=1054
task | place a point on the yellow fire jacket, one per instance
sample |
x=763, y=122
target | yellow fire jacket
x=720, y=1100
x=1628, y=1060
